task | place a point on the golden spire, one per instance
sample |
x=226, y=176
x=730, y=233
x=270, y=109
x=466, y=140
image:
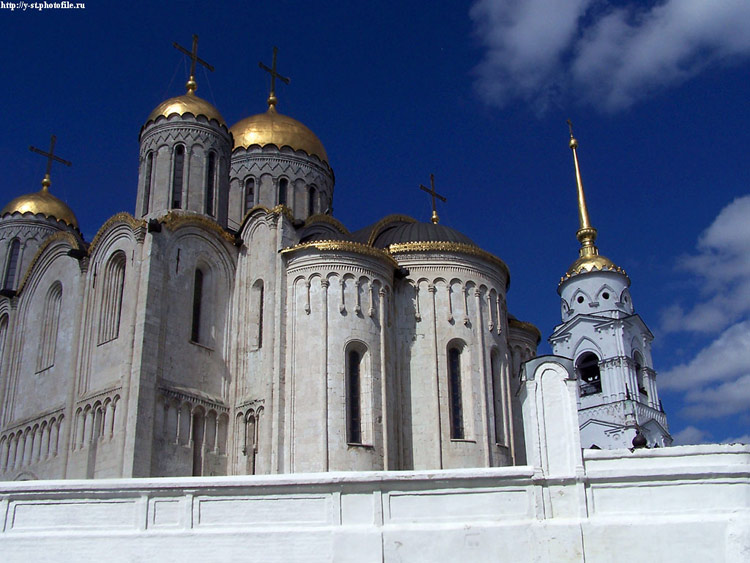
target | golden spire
x=274, y=75
x=191, y=84
x=46, y=182
x=434, y=195
x=586, y=234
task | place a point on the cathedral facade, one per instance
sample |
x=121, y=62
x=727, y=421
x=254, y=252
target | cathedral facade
x=233, y=326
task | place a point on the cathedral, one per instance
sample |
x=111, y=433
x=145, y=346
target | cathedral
x=233, y=326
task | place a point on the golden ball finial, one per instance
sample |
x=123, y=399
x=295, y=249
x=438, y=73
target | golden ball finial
x=272, y=100
x=191, y=85
x=46, y=183
x=573, y=143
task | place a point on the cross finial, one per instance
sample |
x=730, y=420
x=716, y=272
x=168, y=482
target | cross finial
x=274, y=75
x=434, y=195
x=191, y=84
x=50, y=157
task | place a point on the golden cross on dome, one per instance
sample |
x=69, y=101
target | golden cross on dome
x=434, y=195
x=50, y=157
x=274, y=75
x=191, y=84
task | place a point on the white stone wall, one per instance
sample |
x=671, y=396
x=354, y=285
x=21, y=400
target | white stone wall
x=688, y=504
x=267, y=166
x=449, y=300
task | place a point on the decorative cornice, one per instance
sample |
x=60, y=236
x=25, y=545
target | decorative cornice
x=66, y=236
x=380, y=225
x=121, y=217
x=458, y=247
x=342, y=246
x=174, y=221
x=323, y=218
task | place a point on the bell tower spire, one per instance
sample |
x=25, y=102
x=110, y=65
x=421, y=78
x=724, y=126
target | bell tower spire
x=618, y=398
x=586, y=234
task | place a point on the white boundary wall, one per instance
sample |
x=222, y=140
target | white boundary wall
x=689, y=503
x=684, y=504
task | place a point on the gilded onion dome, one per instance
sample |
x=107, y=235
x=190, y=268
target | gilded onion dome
x=274, y=128
x=187, y=103
x=41, y=203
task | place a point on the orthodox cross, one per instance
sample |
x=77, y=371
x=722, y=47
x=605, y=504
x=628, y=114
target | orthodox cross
x=434, y=195
x=274, y=75
x=50, y=157
x=191, y=85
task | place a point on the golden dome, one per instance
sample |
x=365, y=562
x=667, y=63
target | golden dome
x=187, y=103
x=41, y=203
x=273, y=128
x=591, y=263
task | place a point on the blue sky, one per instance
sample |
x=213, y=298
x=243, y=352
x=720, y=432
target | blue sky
x=476, y=93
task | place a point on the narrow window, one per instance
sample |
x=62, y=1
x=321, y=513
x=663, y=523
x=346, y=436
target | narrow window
x=51, y=320
x=638, y=361
x=177, y=174
x=454, y=381
x=497, y=399
x=111, y=300
x=354, y=399
x=249, y=194
x=283, y=184
x=210, y=180
x=260, y=316
x=11, y=270
x=195, y=334
x=147, y=182
x=588, y=372
x=311, y=201
x=3, y=336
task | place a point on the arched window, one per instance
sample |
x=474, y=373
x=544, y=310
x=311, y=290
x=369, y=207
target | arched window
x=256, y=314
x=195, y=334
x=353, y=397
x=497, y=398
x=148, y=172
x=210, y=183
x=249, y=194
x=3, y=337
x=178, y=171
x=111, y=300
x=11, y=269
x=311, y=193
x=638, y=361
x=588, y=373
x=283, y=184
x=50, y=323
x=454, y=392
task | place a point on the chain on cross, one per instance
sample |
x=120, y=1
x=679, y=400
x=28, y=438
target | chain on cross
x=191, y=84
x=434, y=195
x=50, y=156
x=274, y=75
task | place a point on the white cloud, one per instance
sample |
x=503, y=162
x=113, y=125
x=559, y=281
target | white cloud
x=729, y=398
x=690, y=436
x=539, y=49
x=722, y=269
x=725, y=359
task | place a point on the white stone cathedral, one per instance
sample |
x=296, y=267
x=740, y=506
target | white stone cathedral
x=233, y=326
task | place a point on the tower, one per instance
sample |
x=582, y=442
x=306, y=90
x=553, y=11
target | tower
x=609, y=344
x=184, y=155
x=276, y=160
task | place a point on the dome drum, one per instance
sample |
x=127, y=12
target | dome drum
x=184, y=165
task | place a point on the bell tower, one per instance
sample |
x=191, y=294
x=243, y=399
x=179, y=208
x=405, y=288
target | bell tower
x=609, y=343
